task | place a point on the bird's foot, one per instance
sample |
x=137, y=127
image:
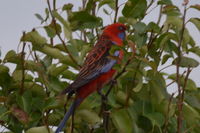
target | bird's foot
x=113, y=81
x=103, y=96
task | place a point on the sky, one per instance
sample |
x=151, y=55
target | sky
x=18, y=16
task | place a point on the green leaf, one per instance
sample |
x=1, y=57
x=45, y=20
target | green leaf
x=165, y=2
x=17, y=76
x=175, y=21
x=33, y=66
x=122, y=121
x=135, y=8
x=66, y=24
x=197, y=7
x=83, y=20
x=55, y=71
x=140, y=27
x=186, y=62
x=12, y=57
x=35, y=38
x=89, y=116
x=144, y=123
x=195, y=50
x=5, y=78
x=25, y=101
x=69, y=75
x=138, y=87
x=152, y=27
x=54, y=118
x=156, y=119
x=90, y=4
x=52, y=52
x=47, y=61
x=191, y=115
x=3, y=69
x=3, y=113
x=42, y=129
x=171, y=11
x=47, y=14
x=54, y=84
x=163, y=107
x=193, y=99
x=110, y=3
x=36, y=90
x=157, y=86
x=67, y=7
x=121, y=97
x=190, y=83
x=140, y=36
x=165, y=58
x=51, y=103
x=39, y=17
x=52, y=29
x=163, y=40
x=196, y=22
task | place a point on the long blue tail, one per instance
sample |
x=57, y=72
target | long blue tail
x=68, y=114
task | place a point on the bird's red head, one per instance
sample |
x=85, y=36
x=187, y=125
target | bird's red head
x=116, y=31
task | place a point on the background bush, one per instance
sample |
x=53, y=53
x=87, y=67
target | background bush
x=137, y=103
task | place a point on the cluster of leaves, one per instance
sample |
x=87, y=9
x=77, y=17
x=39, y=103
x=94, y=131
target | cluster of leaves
x=137, y=103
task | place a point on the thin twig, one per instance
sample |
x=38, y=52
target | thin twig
x=116, y=11
x=118, y=75
x=164, y=68
x=179, y=102
x=151, y=2
x=54, y=4
x=153, y=38
x=46, y=117
x=175, y=80
x=185, y=83
x=84, y=3
x=104, y=97
x=160, y=15
x=170, y=83
x=191, y=127
x=23, y=69
x=167, y=115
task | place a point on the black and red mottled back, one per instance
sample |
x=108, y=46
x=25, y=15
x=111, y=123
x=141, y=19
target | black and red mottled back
x=96, y=59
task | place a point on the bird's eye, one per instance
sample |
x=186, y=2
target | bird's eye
x=121, y=28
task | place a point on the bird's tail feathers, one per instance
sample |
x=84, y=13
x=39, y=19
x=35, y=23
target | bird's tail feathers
x=71, y=110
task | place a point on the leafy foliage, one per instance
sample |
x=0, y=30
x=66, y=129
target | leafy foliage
x=138, y=102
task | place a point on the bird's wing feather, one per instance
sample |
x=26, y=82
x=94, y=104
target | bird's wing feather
x=96, y=63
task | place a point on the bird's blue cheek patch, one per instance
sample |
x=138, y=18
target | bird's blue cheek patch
x=122, y=35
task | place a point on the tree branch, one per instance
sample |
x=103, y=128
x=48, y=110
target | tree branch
x=104, y=98
x=23, y=69
x=167, y=115
x=180, y=91
x=116, y=11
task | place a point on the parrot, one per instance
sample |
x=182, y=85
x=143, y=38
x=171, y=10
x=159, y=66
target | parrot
x=97, y=69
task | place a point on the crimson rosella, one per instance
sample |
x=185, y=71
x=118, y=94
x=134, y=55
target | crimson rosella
x=97, y=69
